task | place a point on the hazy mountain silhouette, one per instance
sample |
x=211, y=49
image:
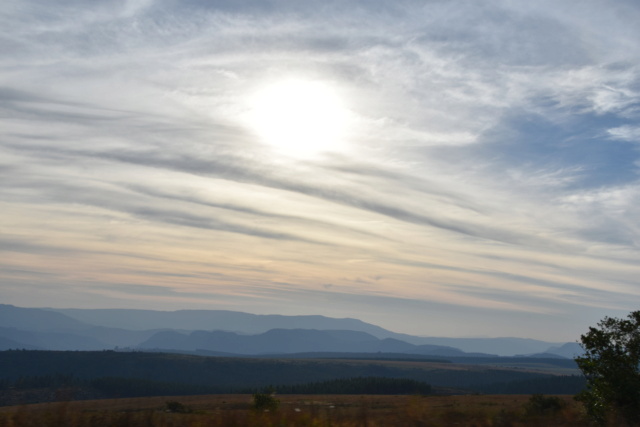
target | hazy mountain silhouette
x=273, y=341
x=282, y=341
x=235, y=332
x=14, y=338
x=9, y=344
x=35, y=319
x=223, y=320
x=568, y=350
x=500, y=346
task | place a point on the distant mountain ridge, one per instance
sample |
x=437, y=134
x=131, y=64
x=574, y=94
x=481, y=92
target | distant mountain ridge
x=233, y=332
x=36, y=319
x=224, y=320
x=278, y=341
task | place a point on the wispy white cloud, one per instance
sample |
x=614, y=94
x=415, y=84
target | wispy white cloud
x=625, y=133
x=490, y=165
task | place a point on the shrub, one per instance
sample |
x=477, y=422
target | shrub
x=265, y=402
x=177, y=407
x=540, y=404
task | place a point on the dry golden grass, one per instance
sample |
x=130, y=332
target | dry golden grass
x=295, y=410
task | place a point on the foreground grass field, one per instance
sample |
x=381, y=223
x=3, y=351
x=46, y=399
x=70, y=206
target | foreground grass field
x=299, y=410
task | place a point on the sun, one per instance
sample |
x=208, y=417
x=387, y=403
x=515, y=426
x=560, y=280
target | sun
x=299, y=118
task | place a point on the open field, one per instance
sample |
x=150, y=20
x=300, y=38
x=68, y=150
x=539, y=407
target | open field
x=297, y=410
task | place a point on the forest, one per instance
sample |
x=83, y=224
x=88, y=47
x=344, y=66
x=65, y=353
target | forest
x=28, y=376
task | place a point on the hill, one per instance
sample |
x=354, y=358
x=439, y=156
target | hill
x=235, y=332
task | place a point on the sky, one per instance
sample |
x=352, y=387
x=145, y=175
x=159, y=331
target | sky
x=438, y=168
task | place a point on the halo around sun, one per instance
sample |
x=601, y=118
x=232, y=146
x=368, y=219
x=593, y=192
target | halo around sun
x=299, y=118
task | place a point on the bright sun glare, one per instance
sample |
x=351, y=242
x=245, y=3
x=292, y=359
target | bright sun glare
x=299, y=118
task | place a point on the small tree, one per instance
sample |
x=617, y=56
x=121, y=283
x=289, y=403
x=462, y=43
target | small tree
x=611, y=366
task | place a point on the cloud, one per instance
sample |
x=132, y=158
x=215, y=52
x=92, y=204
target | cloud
x=490, y=162
x=625, y=133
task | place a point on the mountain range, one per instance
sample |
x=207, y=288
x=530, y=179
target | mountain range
x=237, y=333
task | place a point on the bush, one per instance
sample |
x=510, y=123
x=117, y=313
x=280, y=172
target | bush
x=265, y=402
x=540, y=404
x=177, y=407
